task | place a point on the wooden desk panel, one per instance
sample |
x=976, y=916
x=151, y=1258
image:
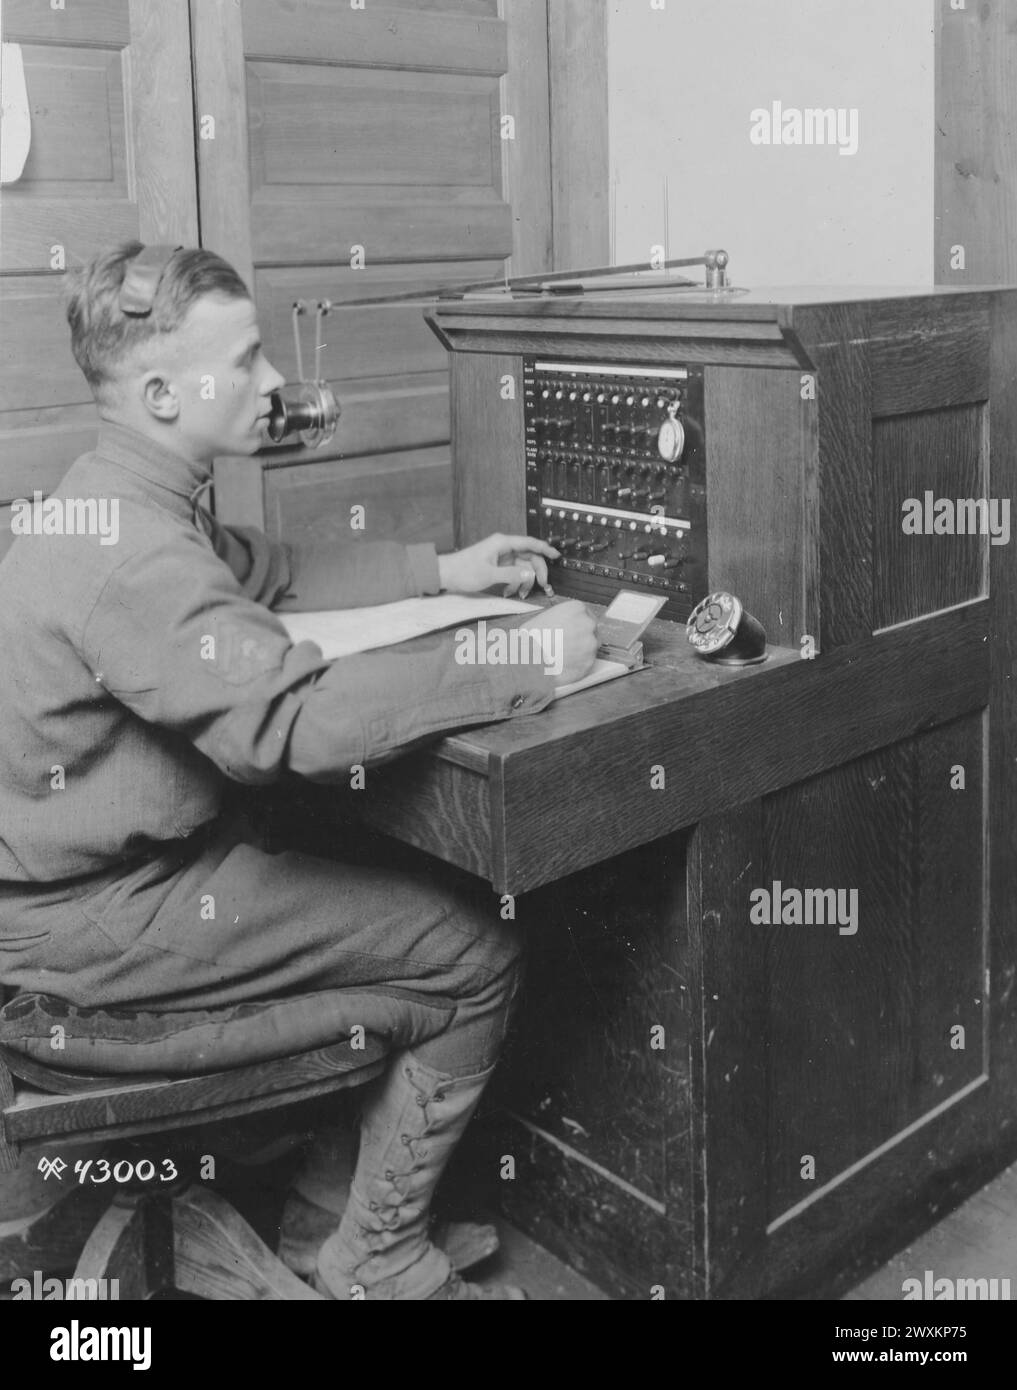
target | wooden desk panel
x=532, y=800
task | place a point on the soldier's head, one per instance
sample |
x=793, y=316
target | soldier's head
x=169, y=343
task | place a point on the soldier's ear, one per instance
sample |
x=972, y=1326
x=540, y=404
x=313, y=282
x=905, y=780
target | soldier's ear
x=160, y=396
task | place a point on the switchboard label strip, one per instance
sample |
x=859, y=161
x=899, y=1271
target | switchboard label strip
x=634, y=372
x=653, y=519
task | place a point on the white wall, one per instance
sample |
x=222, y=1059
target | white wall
x=682, y=84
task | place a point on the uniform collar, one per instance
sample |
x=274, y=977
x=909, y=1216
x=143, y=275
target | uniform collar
x=151, y=462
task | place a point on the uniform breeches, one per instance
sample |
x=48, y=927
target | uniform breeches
x=217, y=921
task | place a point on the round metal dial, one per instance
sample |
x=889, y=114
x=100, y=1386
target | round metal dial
x=712, y=623
x=671, y=440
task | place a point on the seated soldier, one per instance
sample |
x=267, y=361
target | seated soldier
x=122, y=721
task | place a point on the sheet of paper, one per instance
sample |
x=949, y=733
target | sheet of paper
x=601, y=671
x=345, y=631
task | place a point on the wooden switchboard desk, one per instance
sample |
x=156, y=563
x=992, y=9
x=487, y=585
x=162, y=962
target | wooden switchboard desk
x=698, y=1102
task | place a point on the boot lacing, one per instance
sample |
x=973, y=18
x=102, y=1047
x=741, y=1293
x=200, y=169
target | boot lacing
x=390, y=1216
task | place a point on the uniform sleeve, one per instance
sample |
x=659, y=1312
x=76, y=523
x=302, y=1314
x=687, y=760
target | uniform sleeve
x=174, y=637
x=297, y=578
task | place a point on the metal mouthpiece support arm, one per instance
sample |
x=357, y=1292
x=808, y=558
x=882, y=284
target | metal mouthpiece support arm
x=307, y=408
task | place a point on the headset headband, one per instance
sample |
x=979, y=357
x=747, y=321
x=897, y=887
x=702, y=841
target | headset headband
x=137, y=293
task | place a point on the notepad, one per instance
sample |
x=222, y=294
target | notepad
x=347, y=631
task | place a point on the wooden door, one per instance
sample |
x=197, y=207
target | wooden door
x=111, y=157
x=356, y=152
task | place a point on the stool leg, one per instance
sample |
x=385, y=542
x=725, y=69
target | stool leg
x=133, y=1245
x=218, y=1256
x=10, y=1155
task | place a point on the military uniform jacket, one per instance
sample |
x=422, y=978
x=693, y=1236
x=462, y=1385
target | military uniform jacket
x=138, y=673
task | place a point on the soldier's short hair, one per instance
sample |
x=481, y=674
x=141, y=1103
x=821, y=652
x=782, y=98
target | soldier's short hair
x=103, y=337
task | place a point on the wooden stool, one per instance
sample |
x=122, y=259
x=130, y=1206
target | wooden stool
x=186, y=1238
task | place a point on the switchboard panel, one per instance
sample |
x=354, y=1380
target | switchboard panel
x=616, y=478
